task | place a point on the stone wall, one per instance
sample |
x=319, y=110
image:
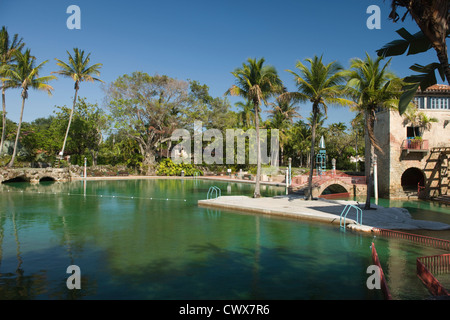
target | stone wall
x=34, y=175
x=390, y=130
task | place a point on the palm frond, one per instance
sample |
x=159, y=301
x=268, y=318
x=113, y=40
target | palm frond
x=255, y=81
x=24, y=74
x=78, y=67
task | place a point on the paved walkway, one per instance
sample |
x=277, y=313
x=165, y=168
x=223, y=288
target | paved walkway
x=324, y=210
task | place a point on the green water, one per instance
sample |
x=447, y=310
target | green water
x=148, y=239
x=421, y=210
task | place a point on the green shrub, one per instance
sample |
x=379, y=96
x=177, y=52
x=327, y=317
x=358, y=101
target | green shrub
x=168, y=168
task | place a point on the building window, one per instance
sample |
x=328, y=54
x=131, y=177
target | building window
x=419, y=102
x=439, y=103
x=412, y=132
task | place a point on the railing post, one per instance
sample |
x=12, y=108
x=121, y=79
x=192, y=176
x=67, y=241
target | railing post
x=384, y=286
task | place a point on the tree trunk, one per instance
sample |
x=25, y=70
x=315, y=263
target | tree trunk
x=94, y=154
x=70, y=121
x=257, y=192
x=3, y=120
x=443, y=59
x=169, y=146
x=313, y=141
x=149, y=155
x=11, y=163
x=368, y=161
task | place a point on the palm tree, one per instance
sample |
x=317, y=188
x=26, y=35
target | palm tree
x=283, y=113
x=433, y=19
x=320, y=120
x=7, y=48
x=24, y=74
x=372, y=87
x=322, y=85
x=282, y=118
x=79, y=70
x=245, y=115
x=358, y=130
x=256, y=83
x=337, y=128
x=298, y=141
x=411, y=117
x=425, y=122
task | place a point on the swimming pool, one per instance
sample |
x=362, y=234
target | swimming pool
x=148, y=239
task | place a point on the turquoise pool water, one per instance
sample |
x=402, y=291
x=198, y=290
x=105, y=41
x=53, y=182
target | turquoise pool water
x=148, y=239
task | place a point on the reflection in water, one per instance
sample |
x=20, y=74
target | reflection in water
x=148, y=239
x=19, y=271
x=422, y=210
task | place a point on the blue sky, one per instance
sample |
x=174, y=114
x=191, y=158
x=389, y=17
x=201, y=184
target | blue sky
x=199, y=40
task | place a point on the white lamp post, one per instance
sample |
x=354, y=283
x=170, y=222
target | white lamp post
x=85, y=169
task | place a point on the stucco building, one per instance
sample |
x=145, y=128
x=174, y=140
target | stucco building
x=415, y=158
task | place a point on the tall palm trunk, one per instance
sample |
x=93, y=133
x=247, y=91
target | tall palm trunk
x=11, y=163
x=3, y=120
x=313, y=142
x=257, y=192
x=70, y=119
x=368, y=154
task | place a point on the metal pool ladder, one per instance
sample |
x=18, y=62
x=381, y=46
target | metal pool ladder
x=213, y=193
x=345, y=213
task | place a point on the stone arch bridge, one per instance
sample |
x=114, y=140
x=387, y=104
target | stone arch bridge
x=34, y=175
x=338, y=183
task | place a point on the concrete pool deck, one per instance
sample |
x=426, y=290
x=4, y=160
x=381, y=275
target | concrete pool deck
x=324, y=210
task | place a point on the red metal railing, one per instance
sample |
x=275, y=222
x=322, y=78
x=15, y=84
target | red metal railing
x=415, y=144
x=419, y=188
x=439, y=264
x=426, y=266
x=424, y=240
x=384, y=287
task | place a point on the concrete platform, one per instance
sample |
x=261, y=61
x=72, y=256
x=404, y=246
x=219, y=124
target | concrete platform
x=323, y=210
